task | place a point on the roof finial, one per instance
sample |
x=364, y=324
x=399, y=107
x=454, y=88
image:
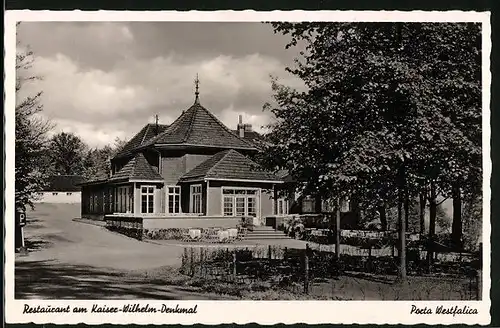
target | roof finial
x=156, y=124
x=197, y=93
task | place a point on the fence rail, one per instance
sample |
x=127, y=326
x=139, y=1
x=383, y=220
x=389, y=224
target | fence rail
x=305, y=267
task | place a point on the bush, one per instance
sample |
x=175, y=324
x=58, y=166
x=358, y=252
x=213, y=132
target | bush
x=165, y=234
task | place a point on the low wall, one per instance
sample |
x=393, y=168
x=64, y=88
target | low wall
x=129, y=226
x=164, y=227
x=189, y=222
x=96, y=217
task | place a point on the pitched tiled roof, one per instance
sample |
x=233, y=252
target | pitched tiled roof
x=137, y=168
x=252, y=136
x=231, y=165
x=147, y=132
x=64, y=183
x=197, y=126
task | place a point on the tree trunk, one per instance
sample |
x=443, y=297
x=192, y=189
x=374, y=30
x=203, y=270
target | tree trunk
x=402, y=230
x=456, y=227
x=422, y=212
x=337, y=232
x=407, y=209
x=383, y=218
x=432, y=223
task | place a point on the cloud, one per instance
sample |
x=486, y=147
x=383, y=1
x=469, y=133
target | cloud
x=111, y=83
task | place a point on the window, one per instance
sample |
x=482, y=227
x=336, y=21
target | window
x=110, y=200
x=69, y=193
x=124, y=199
x=93, y=202
x=239, y=202
x=345, y=205
x=228, y=206
x=240, y=206
x=147, y=199
x=196, y=201
x=252, y=208
x=281, y=206
x=308, y=205
x=55, y=193
x=173, y=199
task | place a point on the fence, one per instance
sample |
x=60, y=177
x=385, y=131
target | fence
x=314, y=270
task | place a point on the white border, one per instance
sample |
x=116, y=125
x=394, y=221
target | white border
x=209, y=312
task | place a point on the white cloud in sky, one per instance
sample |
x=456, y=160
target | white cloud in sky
x=100, y=103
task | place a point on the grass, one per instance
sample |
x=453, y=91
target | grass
x=351, y=286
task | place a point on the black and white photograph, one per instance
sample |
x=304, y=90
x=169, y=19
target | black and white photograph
x=264, y=160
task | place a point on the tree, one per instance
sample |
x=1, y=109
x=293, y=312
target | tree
x=68, y=153
x=97, y=161
x=373, y=121
x=31, y=135
x=118, y=145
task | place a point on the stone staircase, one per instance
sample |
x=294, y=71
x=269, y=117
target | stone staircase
x=264, y=232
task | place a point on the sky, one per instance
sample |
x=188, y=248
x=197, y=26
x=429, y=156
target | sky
x=105, y=80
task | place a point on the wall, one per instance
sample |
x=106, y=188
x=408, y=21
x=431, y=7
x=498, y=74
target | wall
x=61, y=197
x=214, y=201
x=159, y=205
x=267, y=203
x=98, y=217
x=175, y=165
x=189, y=222
x=193, y=160
x=172, y=168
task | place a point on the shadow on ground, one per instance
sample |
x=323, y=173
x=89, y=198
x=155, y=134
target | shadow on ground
x=36, y=244
x=53, y=280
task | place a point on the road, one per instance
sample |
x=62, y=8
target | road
x=75, y=260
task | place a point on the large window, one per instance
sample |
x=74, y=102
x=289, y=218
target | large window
x=281, y=206
x=124, y=199
x=196, y=200
x=110, y=202
x=147, y=199
x=239, y=202
x=173, y=199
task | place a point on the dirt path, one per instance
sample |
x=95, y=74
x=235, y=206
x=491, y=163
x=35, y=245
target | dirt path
x=69, y=259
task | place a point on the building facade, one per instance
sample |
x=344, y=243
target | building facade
x=62, y=189
x=194, y=168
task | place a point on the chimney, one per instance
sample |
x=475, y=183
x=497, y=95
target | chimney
x=241, y=127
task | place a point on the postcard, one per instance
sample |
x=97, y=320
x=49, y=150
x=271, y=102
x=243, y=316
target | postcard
x=247, y=167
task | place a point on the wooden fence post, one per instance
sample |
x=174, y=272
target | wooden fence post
x=337, y=231
x=269, y=253
x=370, y=258
x=185, y=261
x=306, y=270
x=202, y=262
x=479, y=284
x=234, y=266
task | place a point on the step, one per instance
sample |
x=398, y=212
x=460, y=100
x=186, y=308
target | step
x=261, y=228
x=253, y=237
